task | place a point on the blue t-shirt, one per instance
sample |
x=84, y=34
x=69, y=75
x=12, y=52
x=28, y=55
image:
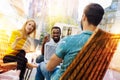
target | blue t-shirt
x=68, y=49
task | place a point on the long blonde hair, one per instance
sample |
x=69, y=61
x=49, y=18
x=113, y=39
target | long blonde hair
x=24, y=31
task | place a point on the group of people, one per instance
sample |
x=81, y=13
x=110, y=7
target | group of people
x=57, y=54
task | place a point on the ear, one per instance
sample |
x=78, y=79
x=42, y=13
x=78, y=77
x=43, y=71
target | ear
x=84, y=17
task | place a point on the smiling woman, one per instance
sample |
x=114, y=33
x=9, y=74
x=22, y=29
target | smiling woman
x=19, y=45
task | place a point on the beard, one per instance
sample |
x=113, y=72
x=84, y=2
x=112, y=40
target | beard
x=81, y=25
x=56, y=39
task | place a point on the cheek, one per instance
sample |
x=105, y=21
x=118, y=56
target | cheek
x=26, y=28
x=33, y=28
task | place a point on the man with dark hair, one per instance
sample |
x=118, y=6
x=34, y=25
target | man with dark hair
x=55, y=38
x=48, y=49
x=71, y=45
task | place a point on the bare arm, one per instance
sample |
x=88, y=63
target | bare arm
x=42, y=48
x=54, y=61
x=46, y=39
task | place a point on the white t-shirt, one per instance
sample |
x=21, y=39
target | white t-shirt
x=49, y=49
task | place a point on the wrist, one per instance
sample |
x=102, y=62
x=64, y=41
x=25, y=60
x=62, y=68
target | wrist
x=43, y=43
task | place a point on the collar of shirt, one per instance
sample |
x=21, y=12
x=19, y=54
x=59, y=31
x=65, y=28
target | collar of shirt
x=52, y=42
x=87, y=32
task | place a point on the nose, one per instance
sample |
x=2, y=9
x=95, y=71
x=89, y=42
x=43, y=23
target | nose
x=31, y=28
x=55, y=35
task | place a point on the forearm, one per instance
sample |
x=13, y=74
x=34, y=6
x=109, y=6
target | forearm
x=18, y=43
x=14, y=44
x=43, y=44
x=42, y=48
x=54, y=61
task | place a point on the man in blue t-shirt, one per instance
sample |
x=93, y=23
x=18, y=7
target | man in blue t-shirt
x=71, y=45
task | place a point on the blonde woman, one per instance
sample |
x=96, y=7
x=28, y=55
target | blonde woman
x=19, y=45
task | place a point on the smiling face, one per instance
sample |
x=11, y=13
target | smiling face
x=30, y=26
x=56, y=34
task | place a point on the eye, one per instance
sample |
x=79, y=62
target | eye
x=29, y=24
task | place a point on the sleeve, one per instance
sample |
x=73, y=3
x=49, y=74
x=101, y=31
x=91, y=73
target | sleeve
x=13, y=37
x=61, y=48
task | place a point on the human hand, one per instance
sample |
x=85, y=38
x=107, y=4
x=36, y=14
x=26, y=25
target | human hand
x=17, y=43
x=18, y=38
x=46, y=39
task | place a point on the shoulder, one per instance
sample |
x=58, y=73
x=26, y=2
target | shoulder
x=69, y=37
x=74, y=38
x=86, y=32
x=16, y=31
x=13, y=35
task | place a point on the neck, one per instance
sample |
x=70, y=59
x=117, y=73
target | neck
x=89, y=27
x=24, y=35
